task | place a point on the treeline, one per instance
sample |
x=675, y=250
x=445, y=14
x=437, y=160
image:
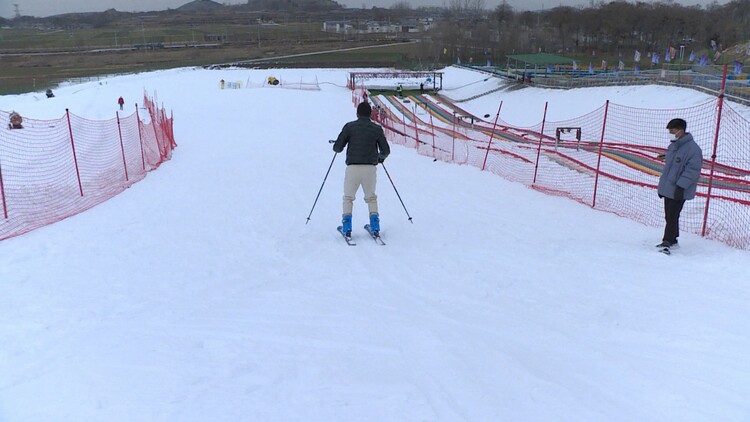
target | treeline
x=602, y=28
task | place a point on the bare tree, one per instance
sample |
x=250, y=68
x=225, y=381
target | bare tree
x=401, y=5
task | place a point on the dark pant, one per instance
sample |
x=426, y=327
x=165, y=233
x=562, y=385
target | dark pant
x=672, y=211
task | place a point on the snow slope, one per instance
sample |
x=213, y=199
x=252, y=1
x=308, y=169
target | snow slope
x=201, y=294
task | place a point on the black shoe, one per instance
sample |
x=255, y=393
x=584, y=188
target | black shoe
x=666, y=244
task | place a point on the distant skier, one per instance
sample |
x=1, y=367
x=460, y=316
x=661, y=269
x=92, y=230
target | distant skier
x=121, y=102
x=366, y=146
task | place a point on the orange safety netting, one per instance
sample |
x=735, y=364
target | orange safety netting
x=52, y=169
x=607, y=159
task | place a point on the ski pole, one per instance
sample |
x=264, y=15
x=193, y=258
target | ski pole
x=394, y=188
x=321, y=187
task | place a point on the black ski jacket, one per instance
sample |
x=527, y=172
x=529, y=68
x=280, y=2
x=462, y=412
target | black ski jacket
x=366, y=142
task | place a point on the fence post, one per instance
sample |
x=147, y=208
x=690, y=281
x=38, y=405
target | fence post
x=720, y=102
x=73, y=146
x=122, y=147
x=416, y=129
x=403, y=120
x=2, y=193
x=453, y=145
x=599, y=158
x=162, y=154
x=539, y=149
x=492, y=134
x=140, y=137
x=432, y=129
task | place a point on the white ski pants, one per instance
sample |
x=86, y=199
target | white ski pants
x=357, y=175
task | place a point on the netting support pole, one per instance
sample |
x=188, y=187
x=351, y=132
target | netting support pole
x=162, y=154
x=140, y=138
x=403, y=116
x=453, y=140
x=489, y=144
x=122, y=147
x=73, y=147
x=432, y=129
x=720, y=104
x=416, y=129
x=2, y=194
x=539, y=149
x=599, y=158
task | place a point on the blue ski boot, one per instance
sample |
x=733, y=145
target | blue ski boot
x=375, y=223
x=346, y=224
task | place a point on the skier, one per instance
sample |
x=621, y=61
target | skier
x=679, y=179
x=366, y=146
x=121, y=102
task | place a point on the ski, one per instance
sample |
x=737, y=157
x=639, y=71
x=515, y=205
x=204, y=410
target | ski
x=375, y=237
x=348, y=239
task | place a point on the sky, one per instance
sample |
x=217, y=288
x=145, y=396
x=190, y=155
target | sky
x=46, y=7
x=200, y=293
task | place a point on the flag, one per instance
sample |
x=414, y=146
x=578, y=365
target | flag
x=737, y=67
x=637, y=56
x=691, y=58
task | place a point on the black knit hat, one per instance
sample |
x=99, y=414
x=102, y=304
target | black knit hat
x=364, y=109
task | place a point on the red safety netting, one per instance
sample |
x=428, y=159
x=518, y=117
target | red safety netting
x=52, y=169
x=607, y=159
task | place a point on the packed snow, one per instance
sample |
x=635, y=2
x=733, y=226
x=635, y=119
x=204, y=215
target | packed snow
x=201, y=294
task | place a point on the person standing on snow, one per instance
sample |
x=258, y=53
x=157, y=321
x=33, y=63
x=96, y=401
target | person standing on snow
x=366, y=146
x=679, y=178
x=121, y=102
